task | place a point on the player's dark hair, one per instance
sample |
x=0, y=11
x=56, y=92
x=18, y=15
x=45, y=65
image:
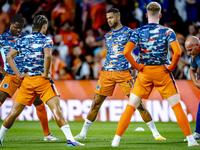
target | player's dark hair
x=17, y=18
x=38, y=22
x=55, y=52
x=114, y=10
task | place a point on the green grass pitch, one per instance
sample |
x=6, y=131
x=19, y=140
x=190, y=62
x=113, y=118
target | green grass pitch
x=25, y=135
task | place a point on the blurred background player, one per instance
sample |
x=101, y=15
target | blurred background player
x=115, y=70
x=10, y=82
x=192, y=45
x=153, y=40
x=57, y=65
x=37, y=65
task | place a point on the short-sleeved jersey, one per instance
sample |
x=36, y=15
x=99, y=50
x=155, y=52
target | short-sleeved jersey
x=31, y=47
x=153, y=41
x=7, y=42
x=115, y=43
x=195, y=62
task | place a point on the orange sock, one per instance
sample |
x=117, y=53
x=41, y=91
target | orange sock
x=125, y=119
x=42, y=115
x=182, y=119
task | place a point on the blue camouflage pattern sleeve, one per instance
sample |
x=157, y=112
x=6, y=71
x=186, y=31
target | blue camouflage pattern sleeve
x=48, y=43
x=193, y=63
x=134, y=37
x=171, y=36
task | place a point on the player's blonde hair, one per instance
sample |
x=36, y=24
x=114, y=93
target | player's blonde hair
x=153, y=8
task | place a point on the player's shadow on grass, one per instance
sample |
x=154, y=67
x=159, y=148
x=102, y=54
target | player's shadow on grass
x=156, y=142
x=50, y=142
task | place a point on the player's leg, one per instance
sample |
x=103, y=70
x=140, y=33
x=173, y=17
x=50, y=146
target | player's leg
x=149, y=121
x=92, y=115
x=96, y=104
x=125, y=81
x=8, y=86
x=142, y=88
x=104, y=88
x=42, y=115
x=182, y=120
x=22, y=99
x=166, y=86
x=8, y=122
x=3, y=96
x=196, y=134
x=46, y=88
x=54, y=105
x=125, y=118
x=144, y=113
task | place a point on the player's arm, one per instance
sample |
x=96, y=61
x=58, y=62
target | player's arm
x=176, y=57
x=2, y=70
x=12, y=54
x=47, y=62
x=193, y=77
x=127, y=53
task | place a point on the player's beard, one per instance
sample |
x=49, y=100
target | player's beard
x=114, y=25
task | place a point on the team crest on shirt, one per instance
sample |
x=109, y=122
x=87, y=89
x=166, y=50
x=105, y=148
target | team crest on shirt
x=120, y=38
x=5, y=85
x=98, y=87
x=25, y=42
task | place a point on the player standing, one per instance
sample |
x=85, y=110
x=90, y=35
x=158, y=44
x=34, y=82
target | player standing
x=154, y=71
x=36, y=51
x=115, y=70
x=10, y=82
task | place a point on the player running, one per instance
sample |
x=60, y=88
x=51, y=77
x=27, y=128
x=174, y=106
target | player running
x=153, y=41
x=36, y=51
x=10, y=82
x=115, y=70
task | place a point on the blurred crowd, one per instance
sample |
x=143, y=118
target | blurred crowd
x=77, y=28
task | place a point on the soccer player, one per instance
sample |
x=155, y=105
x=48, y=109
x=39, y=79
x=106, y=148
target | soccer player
x=36, y=51
x=192, y=45
x=10, y=82
x=115, y=70
x=155, y=70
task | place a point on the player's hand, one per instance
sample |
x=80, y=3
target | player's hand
x=167, y=66
x=49, y=75
x=3, y=72
x=20, y=76
x=197, y=84
x=141, y=67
